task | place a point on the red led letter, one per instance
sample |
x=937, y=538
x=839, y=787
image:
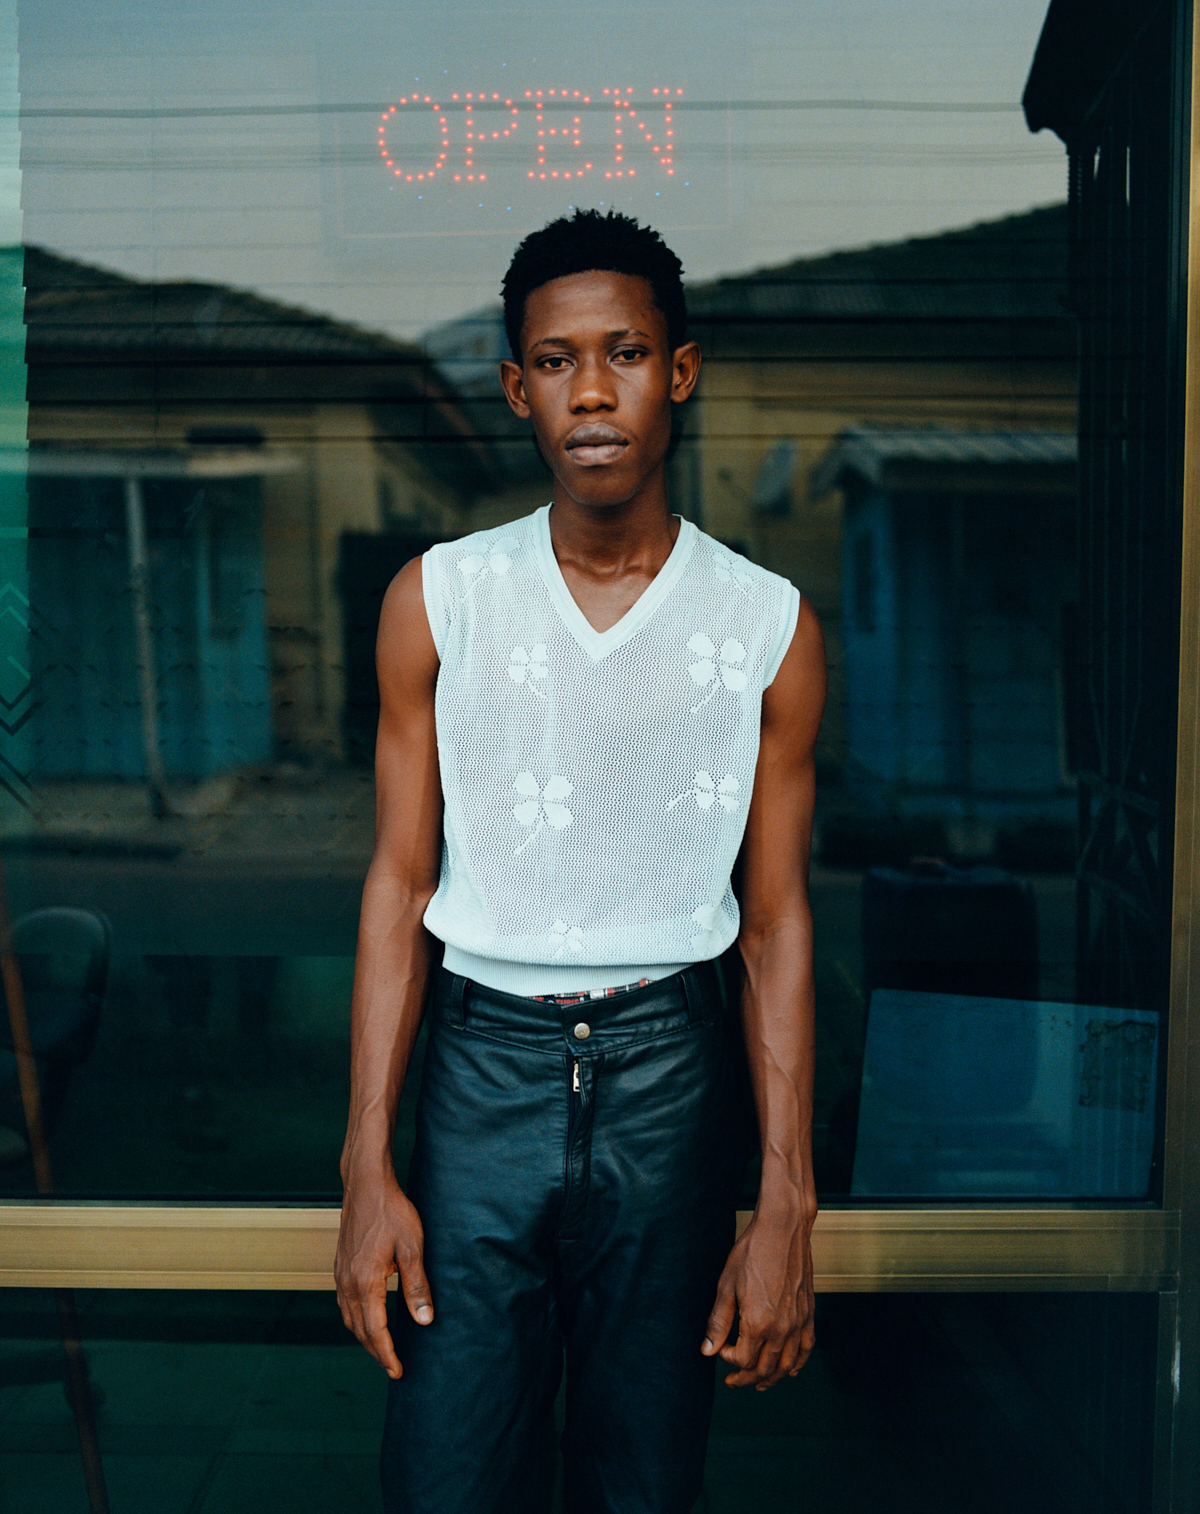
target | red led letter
x=482, y=111
x=559, y=127
x=401, y=170
x=631, y=122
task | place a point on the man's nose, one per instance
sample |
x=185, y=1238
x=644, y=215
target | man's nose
x=592, y=388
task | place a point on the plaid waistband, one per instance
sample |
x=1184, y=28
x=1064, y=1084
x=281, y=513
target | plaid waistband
x=590, y=993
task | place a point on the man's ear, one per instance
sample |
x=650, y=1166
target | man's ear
x=685, y=370
x=512, y=380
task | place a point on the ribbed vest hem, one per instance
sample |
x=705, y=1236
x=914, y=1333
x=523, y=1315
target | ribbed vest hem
x=529, y=978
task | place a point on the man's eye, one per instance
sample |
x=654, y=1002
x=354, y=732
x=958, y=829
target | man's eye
x=555, y=361
x=629, y=354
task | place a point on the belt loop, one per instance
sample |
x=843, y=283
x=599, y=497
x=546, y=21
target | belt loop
x=704, y=989
x=693, y=991
x=456, y=1010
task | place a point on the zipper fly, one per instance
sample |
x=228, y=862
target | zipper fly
x=575, y=1079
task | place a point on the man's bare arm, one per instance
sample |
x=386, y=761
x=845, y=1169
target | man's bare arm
x=381, y=1231
x=767, y=1281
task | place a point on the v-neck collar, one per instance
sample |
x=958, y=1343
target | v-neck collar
x=598, y=644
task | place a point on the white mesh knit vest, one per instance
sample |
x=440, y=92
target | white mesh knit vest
x=595, y=783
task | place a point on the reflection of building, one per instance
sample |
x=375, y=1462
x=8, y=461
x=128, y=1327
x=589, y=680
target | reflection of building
x=969, y=329
x=957, y=597
x=260, y=434
x=146, y=577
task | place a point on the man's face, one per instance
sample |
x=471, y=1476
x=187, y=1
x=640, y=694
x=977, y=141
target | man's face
x=598, y=378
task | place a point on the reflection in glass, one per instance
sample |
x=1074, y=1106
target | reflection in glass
x=260, y=362
x=1004, y=1098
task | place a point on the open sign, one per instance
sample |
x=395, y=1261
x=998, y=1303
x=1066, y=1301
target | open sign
x=537, y=134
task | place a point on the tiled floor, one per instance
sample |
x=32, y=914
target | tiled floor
x=280, y=1415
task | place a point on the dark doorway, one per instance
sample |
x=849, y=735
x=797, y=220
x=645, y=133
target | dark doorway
x=367, y=563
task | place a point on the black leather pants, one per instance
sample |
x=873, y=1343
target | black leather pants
x=575, y=1172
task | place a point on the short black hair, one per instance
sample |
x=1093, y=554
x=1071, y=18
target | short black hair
x=589, y=242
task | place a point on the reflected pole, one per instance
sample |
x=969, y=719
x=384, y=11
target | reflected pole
x=139, y=584
x=78, y=1386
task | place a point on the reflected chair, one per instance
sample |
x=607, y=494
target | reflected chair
x=64, y=956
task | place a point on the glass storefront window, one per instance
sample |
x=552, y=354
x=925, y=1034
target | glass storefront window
x=260, y=256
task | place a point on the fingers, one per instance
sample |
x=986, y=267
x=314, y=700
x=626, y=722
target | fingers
x=755, y=1356
x=807, y=1342
x=795, y=1353
x=376, y=1336
x=766, y=1352
x=364, y=1314
x=720, y=1321
x=808, y=1332
x=391, y=1240
x=364, y=1309
x=800, y=1342
x=808, y=1339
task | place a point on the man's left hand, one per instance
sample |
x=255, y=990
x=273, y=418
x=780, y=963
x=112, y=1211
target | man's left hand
x=767, y=1284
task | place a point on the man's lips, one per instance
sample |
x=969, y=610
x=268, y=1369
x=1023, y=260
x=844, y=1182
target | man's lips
x=594, y=445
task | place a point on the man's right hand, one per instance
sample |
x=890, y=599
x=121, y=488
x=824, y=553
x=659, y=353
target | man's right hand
x=380, y=1234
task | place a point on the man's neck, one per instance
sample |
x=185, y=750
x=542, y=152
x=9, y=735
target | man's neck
x=609, y=555
x=612, y=538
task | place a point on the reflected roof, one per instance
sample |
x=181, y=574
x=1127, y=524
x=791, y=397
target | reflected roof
x=92, y=334
x=1013, y=267
x=870, y=453
x=71, y=304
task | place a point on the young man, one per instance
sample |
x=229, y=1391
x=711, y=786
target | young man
x=585, y=716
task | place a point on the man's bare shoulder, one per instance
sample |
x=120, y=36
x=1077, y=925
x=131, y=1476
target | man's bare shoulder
x=795, y=700
x=405, y=654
